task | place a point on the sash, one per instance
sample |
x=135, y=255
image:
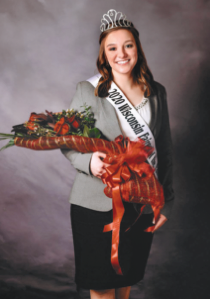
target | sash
x=131, y=122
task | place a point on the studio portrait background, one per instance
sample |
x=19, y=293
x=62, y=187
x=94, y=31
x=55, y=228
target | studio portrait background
x=46, y=48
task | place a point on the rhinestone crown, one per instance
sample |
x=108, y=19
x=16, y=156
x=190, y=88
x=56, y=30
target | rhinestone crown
x=114, y=19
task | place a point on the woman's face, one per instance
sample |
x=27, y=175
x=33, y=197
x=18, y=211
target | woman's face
x=121, y=51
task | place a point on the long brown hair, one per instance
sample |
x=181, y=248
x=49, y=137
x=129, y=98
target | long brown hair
x=141, y=71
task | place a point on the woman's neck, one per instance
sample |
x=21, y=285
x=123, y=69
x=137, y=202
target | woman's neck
x=124, y=81
x=132, y=90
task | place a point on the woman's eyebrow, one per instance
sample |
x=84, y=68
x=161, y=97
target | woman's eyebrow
x=124, y=43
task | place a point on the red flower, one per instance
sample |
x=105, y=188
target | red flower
x=75, y=123
x=70, y=119
x=61, y=127
x=37, y=117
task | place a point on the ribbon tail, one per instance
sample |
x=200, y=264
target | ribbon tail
x=141, y=210
x=156, y=211
x=118, y=212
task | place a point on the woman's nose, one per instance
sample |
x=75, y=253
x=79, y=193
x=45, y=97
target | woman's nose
x=122, y=53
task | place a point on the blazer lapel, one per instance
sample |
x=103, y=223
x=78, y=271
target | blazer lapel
x=108, y=120
x=153, y=106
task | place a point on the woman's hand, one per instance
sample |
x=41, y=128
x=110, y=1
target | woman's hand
x=160, y=222
x=97, y=165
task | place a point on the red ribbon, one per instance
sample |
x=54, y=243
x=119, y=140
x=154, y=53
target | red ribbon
x=118, y=212
x=131, y=159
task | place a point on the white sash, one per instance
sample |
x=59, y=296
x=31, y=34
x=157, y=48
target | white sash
x=130, y=120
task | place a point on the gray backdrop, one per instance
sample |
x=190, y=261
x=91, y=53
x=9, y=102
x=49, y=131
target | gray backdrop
x=46, y=47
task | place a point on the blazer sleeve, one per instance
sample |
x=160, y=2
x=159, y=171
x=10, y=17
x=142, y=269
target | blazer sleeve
x=78, y=160
x=164, y=150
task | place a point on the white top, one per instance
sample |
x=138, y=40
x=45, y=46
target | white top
x=144, y=110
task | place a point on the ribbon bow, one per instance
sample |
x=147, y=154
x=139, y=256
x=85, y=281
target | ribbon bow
x=131, y=159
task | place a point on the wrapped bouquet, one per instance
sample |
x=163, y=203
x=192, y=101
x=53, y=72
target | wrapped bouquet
x=128, y=177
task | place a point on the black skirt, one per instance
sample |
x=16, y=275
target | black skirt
x=92, y=248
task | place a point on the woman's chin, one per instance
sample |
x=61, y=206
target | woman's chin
x=122, y=71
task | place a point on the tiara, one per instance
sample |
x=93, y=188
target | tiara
x=114, y=19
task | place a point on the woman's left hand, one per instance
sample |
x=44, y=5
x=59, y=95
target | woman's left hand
x=160, y=222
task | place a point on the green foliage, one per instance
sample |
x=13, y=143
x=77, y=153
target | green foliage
x=6, y=136
x=94, y=133
x=86, y=131
x=10, y=143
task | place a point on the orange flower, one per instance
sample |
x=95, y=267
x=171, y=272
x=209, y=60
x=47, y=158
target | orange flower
x=31, y=126
x=61, y=127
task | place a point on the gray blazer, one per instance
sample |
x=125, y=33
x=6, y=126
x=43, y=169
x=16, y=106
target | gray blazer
x=87, y=190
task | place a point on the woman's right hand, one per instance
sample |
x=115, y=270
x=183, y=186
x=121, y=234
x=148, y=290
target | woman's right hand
x=97, y=165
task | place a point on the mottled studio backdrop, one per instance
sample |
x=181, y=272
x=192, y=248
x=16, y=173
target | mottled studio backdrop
x=46, y=47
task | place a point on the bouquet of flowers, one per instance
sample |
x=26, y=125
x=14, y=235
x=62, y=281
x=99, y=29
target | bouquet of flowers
x=47, y=125
x=128, y=177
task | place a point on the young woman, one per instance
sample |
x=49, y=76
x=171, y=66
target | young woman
x=121, y=61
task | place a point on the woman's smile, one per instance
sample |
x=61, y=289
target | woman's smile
x=123, y=61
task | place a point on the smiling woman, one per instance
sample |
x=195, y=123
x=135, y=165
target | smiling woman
x=120, y=46
x=124, y=83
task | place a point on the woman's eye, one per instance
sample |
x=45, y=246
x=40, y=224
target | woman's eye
x=129, y=46
x=112, y=49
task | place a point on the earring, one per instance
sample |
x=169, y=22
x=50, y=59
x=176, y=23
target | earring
x=107, y=63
